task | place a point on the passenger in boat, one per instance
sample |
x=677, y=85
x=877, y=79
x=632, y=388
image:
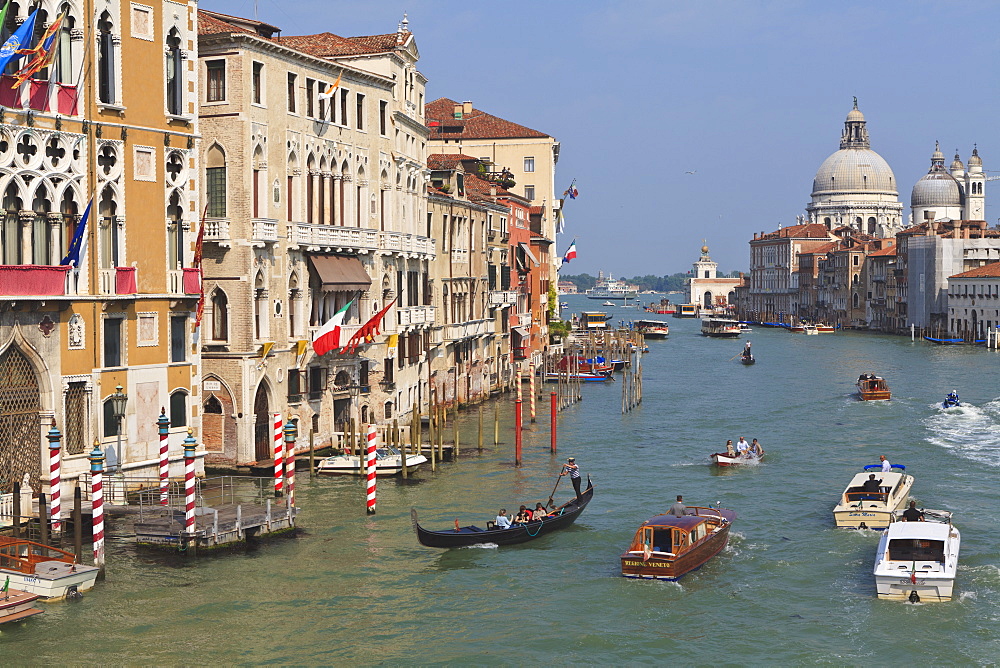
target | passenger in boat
x=573, y=470
x=678, y=509
x=872, y=486
x=755, y=449
x=539, y=512
x=502, y=521
x=523, y=516
x=911, y=514
x=886, y=466
x=742, y=447
x=730, y=450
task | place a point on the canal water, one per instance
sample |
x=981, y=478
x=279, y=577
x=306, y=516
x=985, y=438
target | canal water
x=789, y=589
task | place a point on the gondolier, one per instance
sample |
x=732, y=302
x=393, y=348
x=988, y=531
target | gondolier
x=573, y=470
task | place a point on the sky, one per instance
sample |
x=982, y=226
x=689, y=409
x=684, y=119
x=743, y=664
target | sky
x=750, y=96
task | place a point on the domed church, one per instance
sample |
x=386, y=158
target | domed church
x=855, y=186
x=950, y=194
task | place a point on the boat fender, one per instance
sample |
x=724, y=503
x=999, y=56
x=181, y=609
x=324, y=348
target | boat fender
x=914, y=597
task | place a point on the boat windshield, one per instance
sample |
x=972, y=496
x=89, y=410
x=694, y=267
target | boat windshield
x=382, y=453
x=914, y=549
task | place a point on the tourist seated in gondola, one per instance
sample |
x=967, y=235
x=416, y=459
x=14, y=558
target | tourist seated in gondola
x=523, y=516
x=539, y=512
x=502, y=521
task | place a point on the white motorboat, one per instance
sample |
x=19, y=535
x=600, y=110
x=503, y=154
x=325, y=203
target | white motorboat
x=861, y=509
x=916, y=561
x=388, y=461
x=810, y=329
x=608, y=304
x=40, y=569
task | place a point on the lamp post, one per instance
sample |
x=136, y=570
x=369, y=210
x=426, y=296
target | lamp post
x=118, y=401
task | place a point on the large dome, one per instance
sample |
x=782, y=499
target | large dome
x=855, y=170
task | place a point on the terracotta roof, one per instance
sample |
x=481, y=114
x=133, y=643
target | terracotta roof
x=535, y=211
x=807, y=231
x=327, y=44
x=884, y=252
x=447, y=160
x=212, y=25
x=825, y=248
x=477, y=124
x=991, y=270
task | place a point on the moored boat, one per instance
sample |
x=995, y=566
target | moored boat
x=862, y=509
x=460, y=536
x=666, y=547
x=873, y=388
x=16, y=604
x=388, y=461
x=810, y=329
x=823, y=328
x=652, y=329
x=720, y=328
x=42, y=569
x=554, y=377
x=917, y=561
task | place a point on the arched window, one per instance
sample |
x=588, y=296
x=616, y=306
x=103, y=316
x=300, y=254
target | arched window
x=213, y=406
x=364, y=413
x=11, y=237
x=110, y=421
x=40, y=227
x=175, y=74
x=215, y=181
x=178, y=409
x=871, y=225
x=293, y=298
x=69, y=210
x=106, y=60
x=260, y=307
x=259, y=183
x=64, y=56
x=175, y=232
x=388, y=410
x=220, y=316
x=310, y=189
x=110, y=247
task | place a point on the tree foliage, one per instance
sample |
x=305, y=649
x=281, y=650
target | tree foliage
x=673, y=283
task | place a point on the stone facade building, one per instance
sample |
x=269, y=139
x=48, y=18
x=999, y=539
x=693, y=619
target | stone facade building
x=773, y=292
x=708, y=289
x=974, y=303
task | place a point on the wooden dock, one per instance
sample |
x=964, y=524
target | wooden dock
x=216, y=526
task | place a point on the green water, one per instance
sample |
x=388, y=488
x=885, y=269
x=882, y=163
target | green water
x=789, y=589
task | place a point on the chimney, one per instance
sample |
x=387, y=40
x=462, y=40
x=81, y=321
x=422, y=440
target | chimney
x=931, y=225
x=467, y=107
x=458, y=111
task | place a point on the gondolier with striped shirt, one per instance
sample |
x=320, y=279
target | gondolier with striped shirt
x=573, y=470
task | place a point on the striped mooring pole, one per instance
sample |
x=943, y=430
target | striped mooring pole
x=370, y=502
x=531, y=390
x=164, y=425
x=55, y=479
x=291, y=431
x=279, y=446
x=97, y=503
x=189, y=446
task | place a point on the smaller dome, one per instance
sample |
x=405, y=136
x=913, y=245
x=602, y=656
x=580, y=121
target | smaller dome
x=974, y=159
x=855, y=115
x=956, y=164
x=938, y=188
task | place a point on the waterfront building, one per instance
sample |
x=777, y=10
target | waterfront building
x=707, y=288
x=974, y=302
x=880, y=288
x=773, y=291
x=809, y=303
x=855, y=187
x=110, y=121
x=521, y=159
x=314, y=150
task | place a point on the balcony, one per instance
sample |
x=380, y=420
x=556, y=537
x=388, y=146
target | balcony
x=503, y=297
x=25, y=280
x=410, y=244
x=468, y=330
x=265, y=231
x=329, y=238
x=39, y=96
x=346, y=332
x=524, y=320
x=217, y=230
x=414, y=315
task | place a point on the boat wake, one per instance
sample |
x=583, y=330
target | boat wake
x=972, y=432
x=481, y=546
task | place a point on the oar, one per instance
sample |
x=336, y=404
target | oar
x=550, y=502
x=734, y=357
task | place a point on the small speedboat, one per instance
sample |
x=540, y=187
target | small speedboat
x=859, y=509
x=388, y=461
x=810, y=329
x=40, y=569
x=917, y=561
x=608, y=304
x=726, y=459
x=666, y=547
x=951, y=401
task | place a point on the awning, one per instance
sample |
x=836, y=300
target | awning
x=340, y=273
x=520, y=331
x=527, y=251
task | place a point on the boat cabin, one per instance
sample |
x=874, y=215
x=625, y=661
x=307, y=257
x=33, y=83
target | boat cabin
x=669, y=535
x=594, y=320
x=686, y=311
x=890, y=485
x=921, y=547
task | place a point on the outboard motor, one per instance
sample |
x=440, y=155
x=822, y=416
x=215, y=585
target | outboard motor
x=914, y=597
x=72, y=593
x=862, y=526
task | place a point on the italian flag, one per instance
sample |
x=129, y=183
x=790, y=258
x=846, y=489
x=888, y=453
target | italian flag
x=328, y=336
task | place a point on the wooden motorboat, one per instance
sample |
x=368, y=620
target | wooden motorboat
x=726, y=459
x=666, y=547
x=720, y=328
x=560, y=518
x=917, y=561
x=823, y=328
x=873, y=388
x=16, y=604
x=745, y=327
x=44, y=570
x=388, y=461
x=796, y=329
x=652, y=329
x=859, y=509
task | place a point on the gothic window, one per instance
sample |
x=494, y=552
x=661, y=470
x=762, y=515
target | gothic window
x=39, y=228
x=293, y=298
x=19, y=406
x=75, y=417
x=106, y=60
x=110, y=246
x=213, y=406
x=64, y=55
x=215, y=181
x=175, y=232
x=10, y=241
x=260, y=312
x=220, y=316
x=175, y=74
x=178, y=409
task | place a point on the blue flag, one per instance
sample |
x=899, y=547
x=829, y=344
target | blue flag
x=19, y=40
x=78, y=245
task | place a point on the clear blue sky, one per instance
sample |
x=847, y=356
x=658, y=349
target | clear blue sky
x=750, y=95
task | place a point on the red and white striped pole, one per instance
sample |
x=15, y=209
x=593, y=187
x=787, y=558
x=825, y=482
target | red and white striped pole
x=164, y=424
x=55, y=479
x=189, y=498
x=370, y=503
x=291, y=431
x=97, y=503
x=279, y=465
x=531, y=390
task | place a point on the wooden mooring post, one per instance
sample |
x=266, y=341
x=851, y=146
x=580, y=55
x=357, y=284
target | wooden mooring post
x=479, y=439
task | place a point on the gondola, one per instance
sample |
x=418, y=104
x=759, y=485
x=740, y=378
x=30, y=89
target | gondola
x=561, y=518
x=748, y=359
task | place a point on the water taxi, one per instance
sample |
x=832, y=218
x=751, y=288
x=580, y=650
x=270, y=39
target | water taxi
x=666, y=546
x=652, y=329
x=873, y=388
x=720, y=328
x=810, y=329
x=388, y=461
x=40, y=569
x=917, y=561
x=862, y=509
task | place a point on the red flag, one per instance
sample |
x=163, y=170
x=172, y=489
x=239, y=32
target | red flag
x=198, y=247
x=42, y=55
x=367, y=332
